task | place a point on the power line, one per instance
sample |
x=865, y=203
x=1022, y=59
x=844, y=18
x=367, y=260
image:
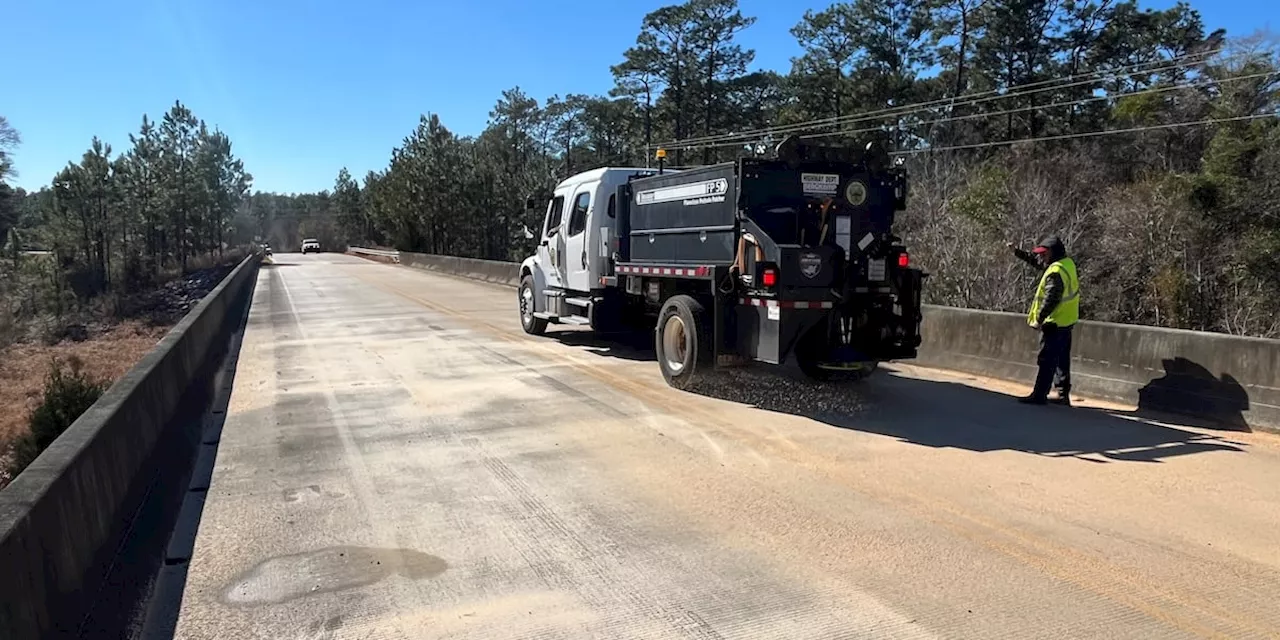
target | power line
x=965, y=100
x=1088, y=134
x=1052, y=105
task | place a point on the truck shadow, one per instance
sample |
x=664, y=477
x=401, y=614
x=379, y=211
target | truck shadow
x=636, y=346
x=938, y=413
x=950, y=414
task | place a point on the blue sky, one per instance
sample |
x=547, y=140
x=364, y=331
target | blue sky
x=304, y=88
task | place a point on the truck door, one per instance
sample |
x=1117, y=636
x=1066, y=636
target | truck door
x=550, y=258
x=576, y=259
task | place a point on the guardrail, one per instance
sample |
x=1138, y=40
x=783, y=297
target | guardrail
x=1230, y=381
x=60, y=516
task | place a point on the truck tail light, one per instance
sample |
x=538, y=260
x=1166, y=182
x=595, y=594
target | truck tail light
x=904, y=260
x=769, y=278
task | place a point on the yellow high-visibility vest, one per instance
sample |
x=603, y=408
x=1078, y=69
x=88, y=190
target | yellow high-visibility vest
x=1067, y=312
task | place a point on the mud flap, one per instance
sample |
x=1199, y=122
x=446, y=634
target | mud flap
x=770, y=334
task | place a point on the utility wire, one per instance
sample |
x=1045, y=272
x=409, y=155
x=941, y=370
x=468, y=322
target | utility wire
x=1088, y=134
x=993, y=114
x=1053, y=105
x=964, y=100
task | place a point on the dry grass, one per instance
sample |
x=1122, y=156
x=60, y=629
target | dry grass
x=23, y=367
x=113, y=345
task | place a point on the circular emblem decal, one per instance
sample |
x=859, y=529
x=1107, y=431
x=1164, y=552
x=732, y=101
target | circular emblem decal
x=810, y=264
x=855, y=192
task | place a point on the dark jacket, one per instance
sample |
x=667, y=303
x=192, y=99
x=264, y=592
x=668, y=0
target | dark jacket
x=1053, y=286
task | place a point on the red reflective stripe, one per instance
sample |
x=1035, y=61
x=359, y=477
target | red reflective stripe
x=688, y=272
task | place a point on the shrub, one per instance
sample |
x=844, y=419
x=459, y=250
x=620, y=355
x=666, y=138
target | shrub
x=68, y=392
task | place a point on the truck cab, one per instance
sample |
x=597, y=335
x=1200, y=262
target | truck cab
x=575, y=243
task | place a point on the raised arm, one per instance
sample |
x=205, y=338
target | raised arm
x=1025, y=256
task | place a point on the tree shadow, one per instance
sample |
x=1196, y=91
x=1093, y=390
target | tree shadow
x=1191, y=392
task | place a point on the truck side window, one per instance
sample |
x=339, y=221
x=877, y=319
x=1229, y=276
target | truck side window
x=578, y=220
x=613, y=205
x=554, y=215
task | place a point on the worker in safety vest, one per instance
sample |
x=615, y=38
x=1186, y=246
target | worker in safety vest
x=1054, y=312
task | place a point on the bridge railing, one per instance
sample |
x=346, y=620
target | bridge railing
x=1228, y=381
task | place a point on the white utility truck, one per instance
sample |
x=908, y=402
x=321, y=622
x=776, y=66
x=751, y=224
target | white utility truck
x=751, y=260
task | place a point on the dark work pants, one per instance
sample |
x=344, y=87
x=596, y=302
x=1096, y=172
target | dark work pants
x=1054, y=360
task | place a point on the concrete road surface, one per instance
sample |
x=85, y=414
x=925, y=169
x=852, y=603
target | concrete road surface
x=400, y=461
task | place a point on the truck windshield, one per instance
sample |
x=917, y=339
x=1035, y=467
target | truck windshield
x=554, y=216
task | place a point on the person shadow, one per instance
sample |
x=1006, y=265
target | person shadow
x=1191, y=392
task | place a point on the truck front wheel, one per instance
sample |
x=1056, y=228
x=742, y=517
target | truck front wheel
x=682, y=341
x=532, y=325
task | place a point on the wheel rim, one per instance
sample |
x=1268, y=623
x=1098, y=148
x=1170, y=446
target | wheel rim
x=526, y=305
x=675, y=344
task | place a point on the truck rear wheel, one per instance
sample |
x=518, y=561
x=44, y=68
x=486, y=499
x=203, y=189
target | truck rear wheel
x=850, y=372
x=532, y=325
x=682, y=341
x=809, y=357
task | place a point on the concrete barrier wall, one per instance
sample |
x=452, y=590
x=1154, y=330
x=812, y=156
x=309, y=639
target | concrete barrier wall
x=380, y=255
x=1227, y=380
x=505, y=273
x=60, y=512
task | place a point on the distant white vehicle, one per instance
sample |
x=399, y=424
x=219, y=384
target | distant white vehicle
x=310, y=244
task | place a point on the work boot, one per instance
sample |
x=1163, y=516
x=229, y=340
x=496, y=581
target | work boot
x=1032, y=399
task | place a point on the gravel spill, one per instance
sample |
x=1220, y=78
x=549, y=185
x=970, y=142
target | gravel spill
x=778, y=391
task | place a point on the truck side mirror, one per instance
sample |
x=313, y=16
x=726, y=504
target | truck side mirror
x=529, y=203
